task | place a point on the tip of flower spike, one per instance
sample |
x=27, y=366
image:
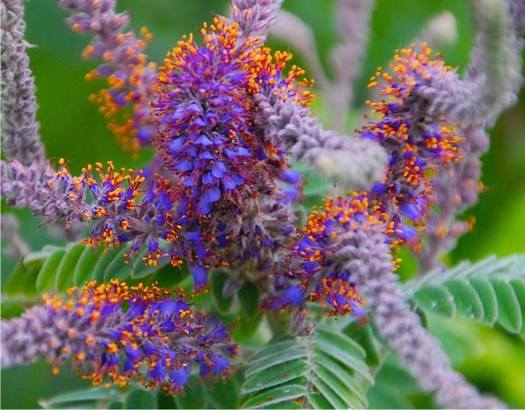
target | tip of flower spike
x=416, y=145
x=131, y=80
x=351, y=170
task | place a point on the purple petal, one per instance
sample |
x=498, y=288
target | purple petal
x=204, y=140
x=176, y=144
x=200, y=276
x=218, y=170
x=290, y=176
x=184, y=165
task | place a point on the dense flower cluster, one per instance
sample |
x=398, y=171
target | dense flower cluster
x=59, y=196
x=417, y=145
x=210, y=138
x=125, y=206
x=207, y=130
x=121, y=333
x=316, y=273
x=129, y=76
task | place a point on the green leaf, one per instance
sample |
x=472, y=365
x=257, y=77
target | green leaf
x=364, y=335
x=394, y=387
x=340, y=390
x=288, y=405
x=140, y=399
x=58, y=268
x=487, y=295
x=333, y=398
x=437, y=299
x=518, y=285
x=337, y=371
x=508, y=306
x=102, y=264
x=316, y=187
x=318, y=401
x=276, y=395
x=119, y=267
x=46, y=277
x=66, y=269
x=297, y=352
x=275, y=375
x=343, y=349
x=324, y=370
x=249, y=298
x=387, y=397
x=490, y=291
x=85, y=265
x=218, y=281
x=80, y=398
x=194, y=396
x=35, y=260
x=273, y=349
x=18, y=278
x=341, y=341
x=12, y=308
x=467, y=301
x=225, y=394
x=165, y=400
x=246, y=326
x=167, y=276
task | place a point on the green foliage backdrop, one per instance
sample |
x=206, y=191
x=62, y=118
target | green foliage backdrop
x=72, y=128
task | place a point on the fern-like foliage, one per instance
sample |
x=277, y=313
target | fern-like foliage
x=83, y=398
x=58, y=268
x=324, y=370
x=100, y=397
x=491, y=291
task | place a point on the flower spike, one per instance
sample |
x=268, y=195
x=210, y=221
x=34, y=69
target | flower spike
x=120, y=333
x=130, y=77
x=20, y=129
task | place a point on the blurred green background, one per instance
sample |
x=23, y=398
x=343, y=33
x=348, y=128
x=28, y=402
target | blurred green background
x=72, y=128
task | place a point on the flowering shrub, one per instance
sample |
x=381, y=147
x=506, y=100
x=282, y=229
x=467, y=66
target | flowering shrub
x=208, y=266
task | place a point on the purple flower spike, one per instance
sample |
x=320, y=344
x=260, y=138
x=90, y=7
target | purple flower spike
x=156, y=342
x=20, y=130
x=129, y=76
